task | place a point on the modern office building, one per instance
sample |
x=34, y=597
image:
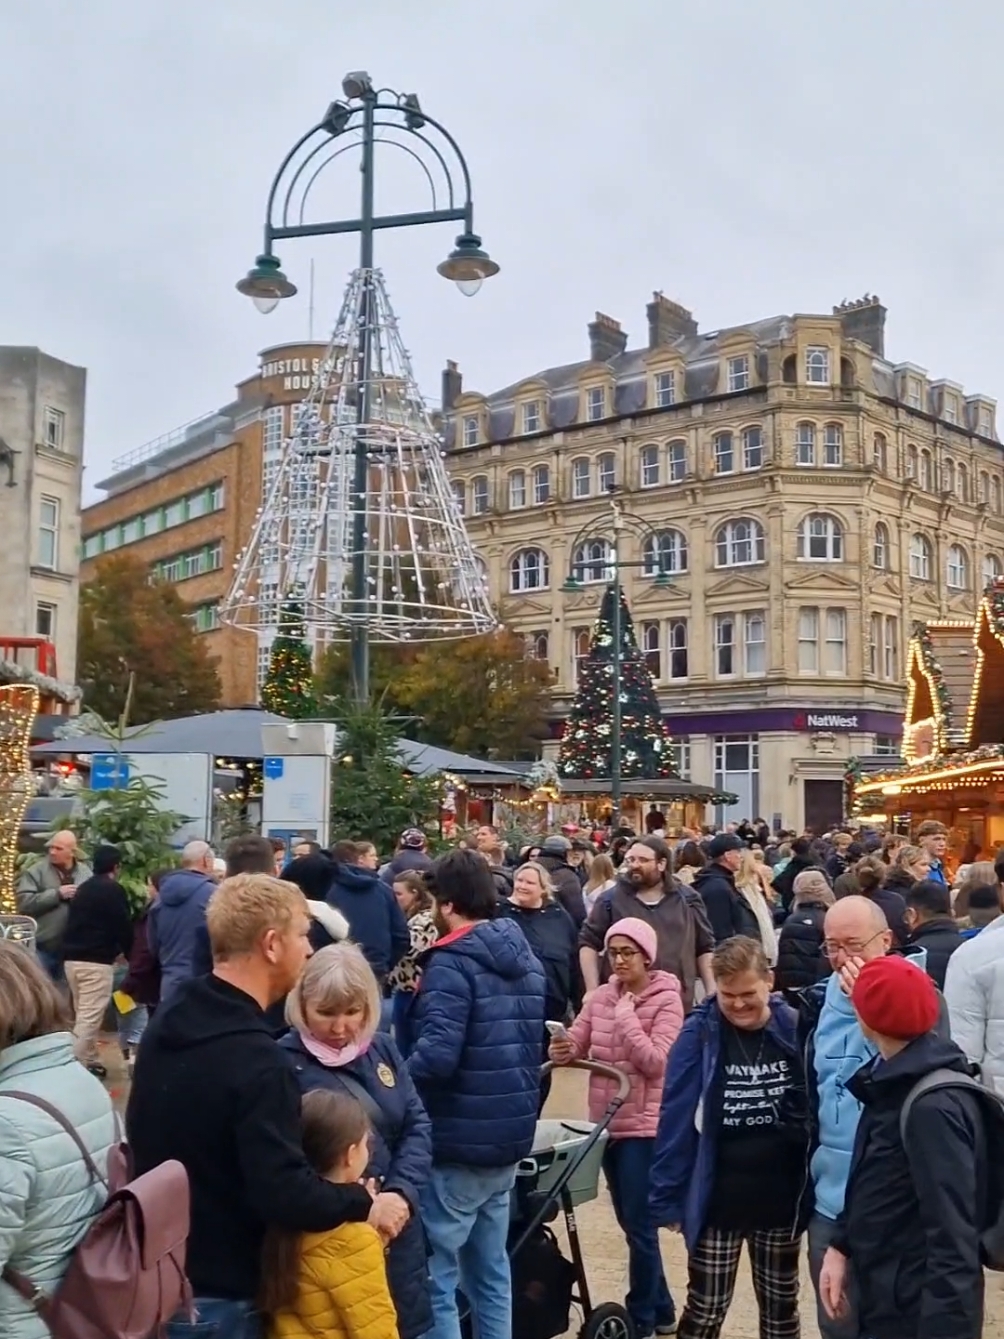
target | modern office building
x=810, y=499
x=186, y=504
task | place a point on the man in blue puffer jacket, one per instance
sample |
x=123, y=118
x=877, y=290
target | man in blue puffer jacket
x=477, y=1020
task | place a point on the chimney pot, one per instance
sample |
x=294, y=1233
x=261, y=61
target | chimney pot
x=668, y=322
x=606, y=338
x=864, y=319
x=453, y=384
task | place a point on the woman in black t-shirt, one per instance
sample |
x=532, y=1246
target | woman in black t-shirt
x=731, y=1153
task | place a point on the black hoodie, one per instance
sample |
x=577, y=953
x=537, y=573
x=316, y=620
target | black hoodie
x=912, y=1216
x=213, y=1090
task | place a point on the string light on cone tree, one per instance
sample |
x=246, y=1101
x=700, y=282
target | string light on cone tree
x=18, y=709
x=288, y=689
x=645, y=741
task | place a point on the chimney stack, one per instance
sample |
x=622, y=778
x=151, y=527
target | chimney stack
x=606, y=338
x=864, y=320
x=453, y=384
x=667, y=322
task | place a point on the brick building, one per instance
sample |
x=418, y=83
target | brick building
x=186, y=503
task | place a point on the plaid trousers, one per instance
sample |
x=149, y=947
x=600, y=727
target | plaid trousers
x=711, y=1281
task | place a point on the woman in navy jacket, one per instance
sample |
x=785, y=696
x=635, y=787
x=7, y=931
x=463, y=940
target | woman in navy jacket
x=731, y=1153
x=334, y=1044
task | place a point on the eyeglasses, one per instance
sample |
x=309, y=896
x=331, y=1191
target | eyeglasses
x=626, y=953
x=831, y=947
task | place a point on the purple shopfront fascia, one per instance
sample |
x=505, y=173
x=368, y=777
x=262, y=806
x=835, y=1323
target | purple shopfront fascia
x=800, y=720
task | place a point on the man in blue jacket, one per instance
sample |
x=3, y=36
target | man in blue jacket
x=478, y=1018
x=177, y=919
x=376, y=922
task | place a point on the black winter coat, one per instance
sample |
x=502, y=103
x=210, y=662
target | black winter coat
x=940, y=938
x=894, y=909
x=728, y=911
x=801, y=961
x=400, y=1158
x=567, y=888
x=554, y=939
x=912, y=1214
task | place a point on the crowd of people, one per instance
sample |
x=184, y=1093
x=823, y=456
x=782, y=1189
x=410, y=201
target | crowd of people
x=345, y=1054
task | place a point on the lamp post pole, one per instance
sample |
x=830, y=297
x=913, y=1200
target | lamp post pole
x=362, y=120
x=654, y=565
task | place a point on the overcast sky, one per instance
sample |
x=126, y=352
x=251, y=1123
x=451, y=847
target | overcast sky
x=748, y=159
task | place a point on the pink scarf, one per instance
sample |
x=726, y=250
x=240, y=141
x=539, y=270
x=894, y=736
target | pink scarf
x=334, y=1057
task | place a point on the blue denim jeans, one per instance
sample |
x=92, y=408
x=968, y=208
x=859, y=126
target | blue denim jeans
x=53, y=964
x=627, y=1164
x=465, y=1211
x=132, y=1025
x=219, y=1318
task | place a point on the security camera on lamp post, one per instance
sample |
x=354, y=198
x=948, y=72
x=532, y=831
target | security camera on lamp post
x=365, y=118
x=616, y=525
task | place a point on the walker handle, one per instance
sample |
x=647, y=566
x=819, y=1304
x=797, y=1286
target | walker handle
x=595, y=1067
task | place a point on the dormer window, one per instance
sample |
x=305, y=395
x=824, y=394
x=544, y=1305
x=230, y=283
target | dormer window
x=985, y=423
x=596, y=403
x=949, y=410
x=472, y=430
x=531, y=416
x=665, y=389
x=817, y=366
x=739, y=373
x=915, y=393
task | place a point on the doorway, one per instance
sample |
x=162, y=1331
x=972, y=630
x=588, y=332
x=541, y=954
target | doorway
x=824, y=805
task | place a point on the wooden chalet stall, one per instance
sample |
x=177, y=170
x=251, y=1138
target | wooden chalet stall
x=953, y=734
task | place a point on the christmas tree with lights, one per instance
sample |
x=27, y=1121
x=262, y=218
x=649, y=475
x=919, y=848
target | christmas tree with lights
x=645, y=744
x=288, y=689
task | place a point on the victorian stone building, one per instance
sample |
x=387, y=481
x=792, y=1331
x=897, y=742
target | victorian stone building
x=810, y=498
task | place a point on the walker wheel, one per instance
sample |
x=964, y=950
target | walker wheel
x=607, y=1321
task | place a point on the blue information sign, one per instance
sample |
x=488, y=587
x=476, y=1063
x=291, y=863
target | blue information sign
x=109, y=771
x=273, y=768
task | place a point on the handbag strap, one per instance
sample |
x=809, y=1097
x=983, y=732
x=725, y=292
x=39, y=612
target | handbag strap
x=366, y=1100
x=64, y=1124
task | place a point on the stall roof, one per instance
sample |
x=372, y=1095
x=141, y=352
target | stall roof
x=237, y=734
x=657, y=788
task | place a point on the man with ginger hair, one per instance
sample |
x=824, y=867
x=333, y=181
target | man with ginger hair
x=212, y=1090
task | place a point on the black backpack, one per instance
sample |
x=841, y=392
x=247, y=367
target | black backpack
x=992, y=1105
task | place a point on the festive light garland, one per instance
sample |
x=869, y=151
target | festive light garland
x=18, y=709
x=933, y=672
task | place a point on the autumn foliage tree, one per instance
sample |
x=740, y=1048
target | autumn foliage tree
x=482, y=695
x=132, y=625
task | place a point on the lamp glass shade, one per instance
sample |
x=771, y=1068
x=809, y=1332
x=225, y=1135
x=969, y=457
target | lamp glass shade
x=467, y=263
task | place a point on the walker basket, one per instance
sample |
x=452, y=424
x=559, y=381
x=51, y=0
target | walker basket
x=18, y=930
x=555, y=1144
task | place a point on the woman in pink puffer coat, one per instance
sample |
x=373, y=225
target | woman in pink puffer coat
x=631, y=1022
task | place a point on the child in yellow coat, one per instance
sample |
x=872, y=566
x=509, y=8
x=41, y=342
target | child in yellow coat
x=331, y=1284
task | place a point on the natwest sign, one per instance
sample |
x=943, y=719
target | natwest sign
x=826, y=720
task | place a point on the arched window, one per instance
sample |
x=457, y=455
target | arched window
x=479, y=494
x=651, y=649
x=541, y=483
x=880, y=547
x=984, y=494
x=962, y=484
x=580, y=650
x=648, y=460
x=948, y=476
x=538, y=645
x=957, y=568
x=995, y=494
x=739, y=543
x=817, y=366
x=671, y=547
x=606, y=470
x=911, y=461
x=926, y=471
x=592, y=560
x=752, y=448
x=528, y=570
x=991, y=568
x=880, y=453
x=920, y=557
x=460, y=493
x=725, y=452
x=517, y=489
x=833, y=445
x=805, y=444
x=821, y=539
x=676, y=461
x=581, y=477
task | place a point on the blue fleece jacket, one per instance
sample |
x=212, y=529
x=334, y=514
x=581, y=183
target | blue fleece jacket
x=376, y=922
x=840, y=1051
x=174, y=922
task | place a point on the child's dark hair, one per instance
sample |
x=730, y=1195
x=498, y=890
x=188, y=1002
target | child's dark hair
x=331, y=1124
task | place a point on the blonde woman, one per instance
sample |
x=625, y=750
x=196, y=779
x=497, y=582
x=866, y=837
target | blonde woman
x=552, y=936
x=334, y=1045
x=602, y=877
x=750, y=885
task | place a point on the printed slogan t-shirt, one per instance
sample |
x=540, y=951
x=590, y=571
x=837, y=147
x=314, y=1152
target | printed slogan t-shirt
x=759, y=1168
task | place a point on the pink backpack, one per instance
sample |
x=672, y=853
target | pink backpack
x=126, y=1278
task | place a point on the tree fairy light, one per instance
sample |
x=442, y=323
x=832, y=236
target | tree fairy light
x=18, y=709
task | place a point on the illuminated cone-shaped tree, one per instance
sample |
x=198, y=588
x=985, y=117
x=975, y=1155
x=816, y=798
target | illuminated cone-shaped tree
x=288, y=689
x=645, y=743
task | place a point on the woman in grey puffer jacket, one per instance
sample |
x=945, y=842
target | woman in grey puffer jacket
x=47, y=1196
